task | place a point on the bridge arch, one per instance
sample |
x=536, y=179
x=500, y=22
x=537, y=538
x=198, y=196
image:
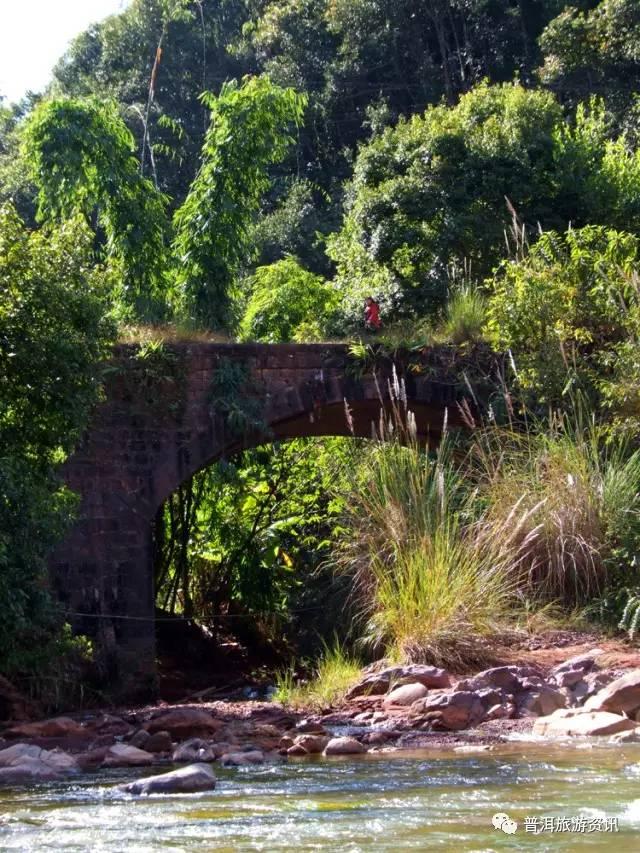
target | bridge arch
x=164, y=418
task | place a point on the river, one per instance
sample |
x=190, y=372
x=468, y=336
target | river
x=384, y=802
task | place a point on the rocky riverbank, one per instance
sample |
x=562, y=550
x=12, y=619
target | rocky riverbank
x=589, y=694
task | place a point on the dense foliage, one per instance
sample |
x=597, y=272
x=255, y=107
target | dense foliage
x=248, y=131
x=258, y=168
x=53, y=331
x=288, y=303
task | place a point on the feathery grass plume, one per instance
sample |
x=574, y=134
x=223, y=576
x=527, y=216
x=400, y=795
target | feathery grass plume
x=432, y=582
x=575, y=492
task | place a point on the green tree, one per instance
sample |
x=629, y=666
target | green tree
x=116, y=57
x=53, y=332
x=287, y=303
x=249, y=130
x=595, y=51
x=81, y=158
x=444, y=187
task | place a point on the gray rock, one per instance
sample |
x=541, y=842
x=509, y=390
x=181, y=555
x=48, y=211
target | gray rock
x=344, y=746
x=429, y=676
x=407, y=694
x=503, y=677
x=125, y=755
x=541, y=702
x=159, y=742
x=372, y=685
x=186, y=780
x=456, y=710
x=24, y=763
x=621, y=696
x=568, y=677
x=140, y=738
x=577, y=721
x=29, y=772
x=585, y=662
x=194, y=750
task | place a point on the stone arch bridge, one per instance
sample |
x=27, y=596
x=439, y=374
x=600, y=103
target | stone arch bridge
x=169, y=412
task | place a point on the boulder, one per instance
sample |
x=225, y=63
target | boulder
x=457, y=710
x=541, y=702
x=159, y=742
x=576, y=721
x=240, y=759
x=568, y=677
x=186, y=780
x=24, y=763
x=621, y=696
x=194, y=750
x=501, y=712
x=407, y=694
x=507, y=678
x=429, y=676
x=584, y=662
x=308, y=745
x=125, y=755
x=54, y=758
x=372, y=685
x=343, y=746
x=184, y=723
x=140, y=738
x=29, y=772
x=55, y=727
x=108, y=724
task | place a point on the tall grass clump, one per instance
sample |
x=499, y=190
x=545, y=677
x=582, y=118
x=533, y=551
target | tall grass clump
x=465, y=316
x=334, y=674
x=577, y=490
x=433, y=583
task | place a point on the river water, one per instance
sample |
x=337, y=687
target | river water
x=384, y=802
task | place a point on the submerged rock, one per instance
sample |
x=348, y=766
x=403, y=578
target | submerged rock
x=186, y=780
x=241, y=759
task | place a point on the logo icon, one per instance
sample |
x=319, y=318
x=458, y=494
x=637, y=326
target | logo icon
x=502, y=821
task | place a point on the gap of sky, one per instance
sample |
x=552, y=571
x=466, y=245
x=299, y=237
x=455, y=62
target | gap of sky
x=35, y=33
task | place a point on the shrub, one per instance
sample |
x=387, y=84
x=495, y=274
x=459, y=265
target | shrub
x=566, y=307
x=287, y=302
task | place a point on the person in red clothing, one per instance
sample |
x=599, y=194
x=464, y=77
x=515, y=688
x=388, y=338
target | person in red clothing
x=372, y=320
